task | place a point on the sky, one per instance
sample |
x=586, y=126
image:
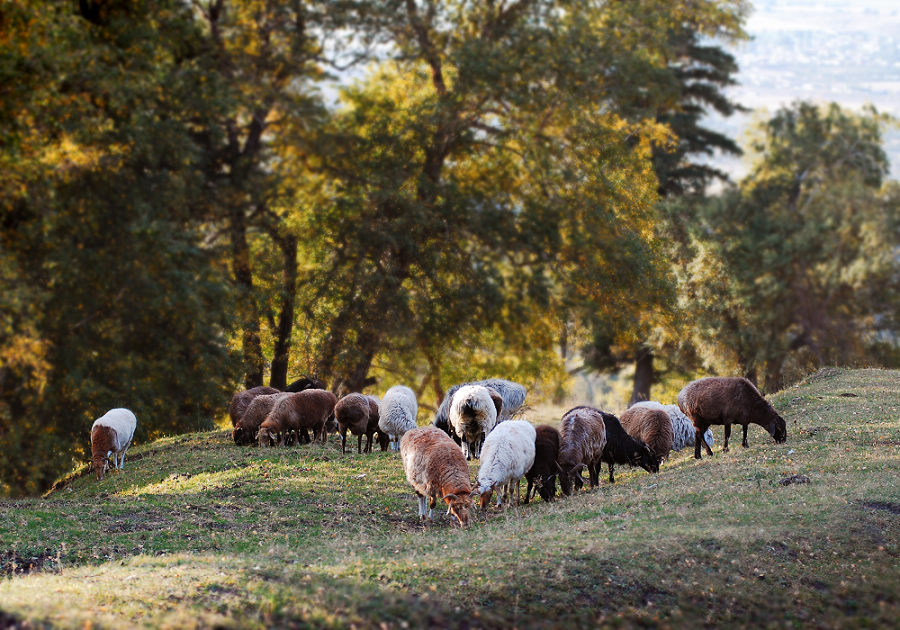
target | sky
x=824, y=50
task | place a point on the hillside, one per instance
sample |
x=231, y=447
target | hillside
x=200, y=533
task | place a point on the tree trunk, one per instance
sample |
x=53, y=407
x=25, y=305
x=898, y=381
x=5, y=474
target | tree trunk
x=247, y=308
x=643, y=376
x=281, y=354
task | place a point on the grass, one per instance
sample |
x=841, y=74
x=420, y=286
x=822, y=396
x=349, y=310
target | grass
x=200, y=533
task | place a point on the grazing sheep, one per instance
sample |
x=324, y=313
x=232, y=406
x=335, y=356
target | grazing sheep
x=358, y=414
x=512, y=394
x=241, y=400
x=435, y=467
x=304, y=383
x=582, y=438
x=111, y=435
x=397, y=413
x=507, y=454
x=621, y=448
x=651, y=426
x=309, y=409
x=277, y=429
x=728, y=400
x=682, y=427
x=542, y=474
x=473, y=415
x=247, y=427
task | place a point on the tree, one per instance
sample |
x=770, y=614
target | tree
x=797, y=268
x=690, y=85
x=102, y=258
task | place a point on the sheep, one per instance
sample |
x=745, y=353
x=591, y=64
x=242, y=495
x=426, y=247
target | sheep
x=542, y=474
x=304, y=383
x=435, y=467
x=651, y=426
x=511, y=393
x=621, y=448
x=241, y=400
x=246, y=429
x=582, y=438
x=277, y=429
x=111, y=435
x=473, y=415
x=728, y=400
x=508, y=453
x=397, y=413
x=360, y=415
x=682, y=427
x=308, y=409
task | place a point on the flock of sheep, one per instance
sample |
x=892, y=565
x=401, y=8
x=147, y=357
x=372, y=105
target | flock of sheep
x=475, y=421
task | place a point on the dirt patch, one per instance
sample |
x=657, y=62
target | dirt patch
x=8, y=621
x=849, y=395
x=12, y=563
x=794, y=479
x=893, y=508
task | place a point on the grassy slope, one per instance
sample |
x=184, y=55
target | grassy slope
x=199, y=532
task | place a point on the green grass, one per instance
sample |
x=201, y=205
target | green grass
x=200, y=533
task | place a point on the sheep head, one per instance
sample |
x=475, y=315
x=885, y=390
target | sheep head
x=644, y=458
x=242, y=437
x=459, y=505
x=265, y=437
x=777, y=428
x=546, y=486
x=101, y=465
x=570, y=476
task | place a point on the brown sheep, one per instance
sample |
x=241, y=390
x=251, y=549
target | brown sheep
x=651, y=426
x=727, y=401
x=248, y=426
x=542, y=475
x=358, y=414
x=309, y=409
x=436, y=467
x=241, y=400
x=277, y=429
x=582, y=438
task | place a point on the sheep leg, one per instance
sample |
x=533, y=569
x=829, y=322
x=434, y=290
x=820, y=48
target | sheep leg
x=422, y=510
x=528, y=488
x=744, y=442
x=518, y=496
x=612, y=479
x=727, y=435
x=122, y=462
x=343, y=440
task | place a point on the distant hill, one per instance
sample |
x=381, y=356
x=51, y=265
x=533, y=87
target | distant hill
x=819, y=51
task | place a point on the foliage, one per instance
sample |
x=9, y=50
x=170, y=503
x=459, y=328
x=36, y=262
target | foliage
x=797, y=268
x=112, y=300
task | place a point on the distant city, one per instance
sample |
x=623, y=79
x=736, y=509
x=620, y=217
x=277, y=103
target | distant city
x=821, y=51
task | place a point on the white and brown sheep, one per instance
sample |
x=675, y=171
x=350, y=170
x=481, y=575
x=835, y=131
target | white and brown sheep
x=241, y=400
x=728, y=400
x=111, y=435
x=309, y=409
x=582, y=438
x=512, y=395
x=542, y=475
x=397, y=413
x=436, y=469
x=507, y=454
x=621, y=448
x=473, y=415
x=246, y=429
x=358, y=414
x=682, y=428
x=651, y=426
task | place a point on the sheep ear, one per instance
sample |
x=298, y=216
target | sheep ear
x=450, y=498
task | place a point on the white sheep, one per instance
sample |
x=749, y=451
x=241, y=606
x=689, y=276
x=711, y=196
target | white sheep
x=473, y=415
x=397, y=413
x=507, y=454
x=111, y=435
x=682, y=426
